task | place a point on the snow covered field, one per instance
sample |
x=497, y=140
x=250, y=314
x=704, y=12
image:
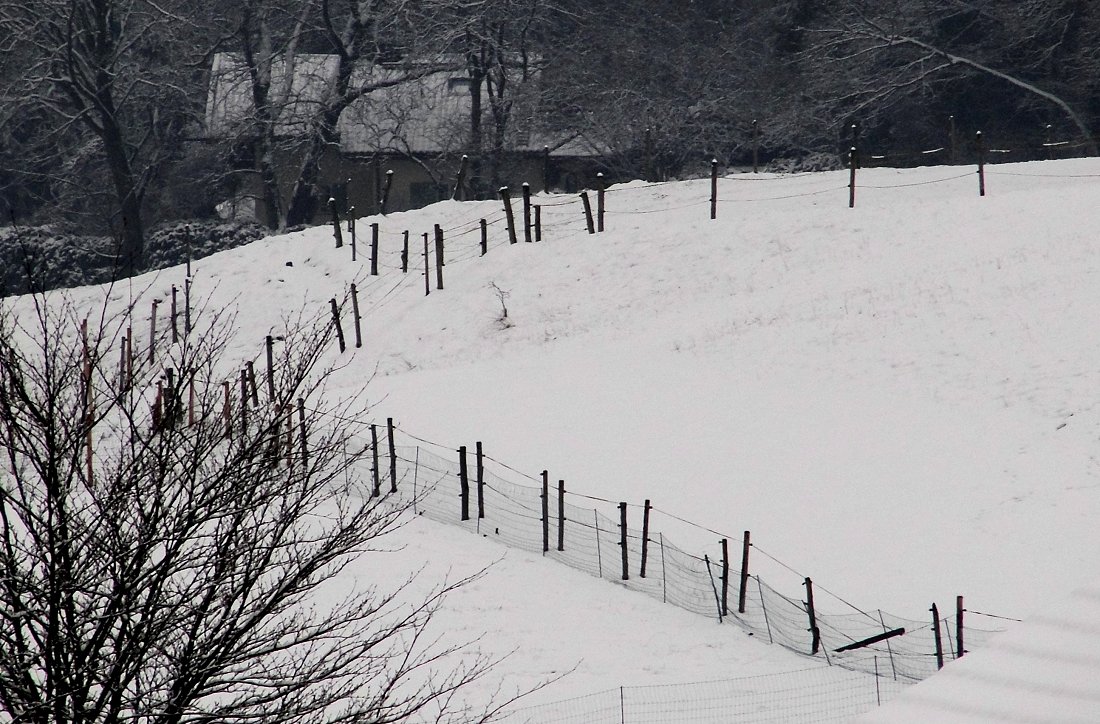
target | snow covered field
x=899, y=400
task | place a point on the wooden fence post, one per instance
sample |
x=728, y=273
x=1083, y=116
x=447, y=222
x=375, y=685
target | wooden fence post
x=244, y=405
x=714, y=188
x=545, y=511
x=227, y=413
x=959, y=610
x=351, y=230
x=460, y=182
x=725, y=576
x=645, y=537
x=175, y=331
x=253, y=391
x=588, y=213
x=939, y=641
x=386, y=192
x=981, y=163
x=601, y=191
x=405, y=253
x=743, y=589
x=815, y=633
x=438, y=256
x=187, y=306
x=376, y=476
x=427, y=267
x=479, y=471
x=507, y=199
x=538, y=222
x=853, y=163
x=153, y=331
x=393, y=455
x=336, y=321
x=269, y=344
x=335, y=222
x=463, y=484
x=355, y=317
x=374, y=249
x=526, y=212
x=622, y=541
x=484, y=236
x=546, y=168
x=561, y=515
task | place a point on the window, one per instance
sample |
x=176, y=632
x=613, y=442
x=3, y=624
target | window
x=458, y=85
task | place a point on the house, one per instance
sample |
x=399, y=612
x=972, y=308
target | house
x=402, y=143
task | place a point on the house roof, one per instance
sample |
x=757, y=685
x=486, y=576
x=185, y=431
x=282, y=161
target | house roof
x=424, y=116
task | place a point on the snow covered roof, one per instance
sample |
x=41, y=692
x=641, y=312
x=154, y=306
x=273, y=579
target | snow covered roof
x=428, y=115
x=1043, y=670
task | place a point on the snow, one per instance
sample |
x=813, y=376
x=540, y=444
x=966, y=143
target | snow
x=898, y=400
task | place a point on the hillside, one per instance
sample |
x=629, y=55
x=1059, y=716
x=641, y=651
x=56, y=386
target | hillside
x=898, y=400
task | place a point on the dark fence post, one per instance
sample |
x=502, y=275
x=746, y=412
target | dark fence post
x=939, y=641
x=538, y=222
x=254, y=393
x=460, y=189
x=561, y=515
x=959, y=610
x=175, y=332
x=725, y=577
x=393, y=455
x=356, y=318
x=622, y=540
x=463, y=483
x=526, y=212
x=546, y=168
x=588, y=213
x=270, y=349
x=227, y=411
x=645, y=537
x=405, y=253
x=335, y=222
x=386, y=192
x=375, y=473
x=953, y=139
x=438, y=256
x=484, y=236
x=479, y=462
x=507, y=199
x=336, y=321
x=601, y=190
x=351, y=230
x=374, y=249
x=187, y=305
x=981, y=163
x=815, y=633
x=545, y=511
x=853, y=164
x=153, y=331
x=714, y=188
x=743, y=590
x=427, y=267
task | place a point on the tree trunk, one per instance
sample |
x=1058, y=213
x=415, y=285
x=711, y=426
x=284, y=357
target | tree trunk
x=129, y=198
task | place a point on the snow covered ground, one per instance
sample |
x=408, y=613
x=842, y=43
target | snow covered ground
x=899, y=400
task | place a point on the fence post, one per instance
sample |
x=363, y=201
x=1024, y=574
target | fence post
x=463, y=483
x=336, y=321
x=853, y=163
x=187, y=304
x=953, y=139
x=588, y=213
x=601, y=191
x=355, y=317
x=351, y=230
x=725, y=576
x=710, y=573
x=545, y=511
x=981, y=163
x=622, y=540
x=374, y=249
x=427, y=267
x=526, y=212
x=175, y=332
x=153, y=331
x=251, y=382
x=959, y=610
x=645, y=537
x=335, y=222
x=714, y=188
x=484, y=236
x=269, y=343
x=664, y=569
x=939, y=641
x=460, y=191
x=755, y=146
x=405, y=253
x=375, y=473
x=561, y=515
x=507, y=199
x=742, y=590
x=479, y=462
x=227, y=412
x=393, y=455
x=244, y=405
x=815, y=644
x=438, y=256
x=386, y=192
x=538, y=222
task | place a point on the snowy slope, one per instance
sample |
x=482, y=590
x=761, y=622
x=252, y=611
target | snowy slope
x=898, y=400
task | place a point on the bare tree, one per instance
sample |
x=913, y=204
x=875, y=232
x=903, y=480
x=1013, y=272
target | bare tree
x=164, y=544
